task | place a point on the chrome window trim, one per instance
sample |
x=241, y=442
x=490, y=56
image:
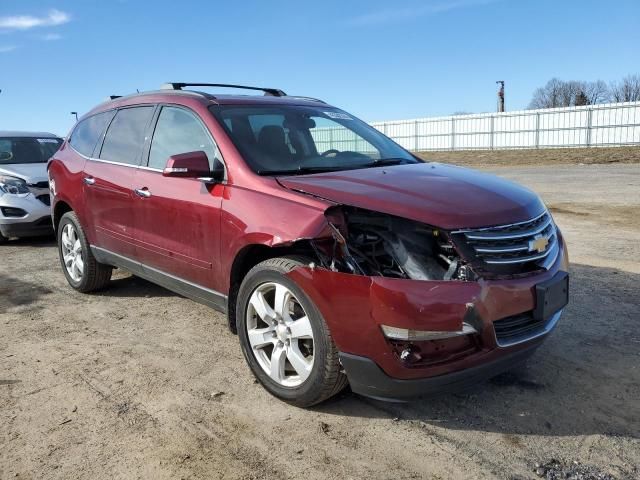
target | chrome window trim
x=93, y=159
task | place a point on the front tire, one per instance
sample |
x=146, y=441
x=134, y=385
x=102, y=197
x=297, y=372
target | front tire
x=83, y=272
x=283, y=336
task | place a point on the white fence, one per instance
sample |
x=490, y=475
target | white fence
x=611, y=124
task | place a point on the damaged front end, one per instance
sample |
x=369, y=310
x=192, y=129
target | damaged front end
x=398, y=297
x=399, y=282
x=376, y=244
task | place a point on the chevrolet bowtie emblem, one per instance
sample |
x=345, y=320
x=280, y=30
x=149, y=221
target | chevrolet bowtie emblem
x=538, y=244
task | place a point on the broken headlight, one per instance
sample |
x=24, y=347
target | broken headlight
x=377, y=244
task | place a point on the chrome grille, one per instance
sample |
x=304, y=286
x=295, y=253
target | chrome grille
x=511, y=245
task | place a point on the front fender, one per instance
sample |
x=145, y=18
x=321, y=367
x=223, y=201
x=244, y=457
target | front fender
x=251, y=217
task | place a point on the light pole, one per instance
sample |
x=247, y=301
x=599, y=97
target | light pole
x=501, y=96
x=76, y=114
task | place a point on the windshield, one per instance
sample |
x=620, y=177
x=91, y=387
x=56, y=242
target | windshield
x=291, y=139
x=27, y=150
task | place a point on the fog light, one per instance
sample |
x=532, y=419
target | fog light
x=13, y=212
x=395, y=333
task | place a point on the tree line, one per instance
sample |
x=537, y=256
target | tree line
x=560, y=93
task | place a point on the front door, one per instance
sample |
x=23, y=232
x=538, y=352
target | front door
x=109, y=180
x=177, y=220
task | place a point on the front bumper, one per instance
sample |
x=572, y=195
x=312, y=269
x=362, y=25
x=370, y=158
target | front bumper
x=366, y=378
x=355, y=308
x=36, y=220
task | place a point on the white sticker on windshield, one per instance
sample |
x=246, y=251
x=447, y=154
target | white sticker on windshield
x=339, y=115
x=47, y=140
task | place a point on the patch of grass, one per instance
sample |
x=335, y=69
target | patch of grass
x=532, y=157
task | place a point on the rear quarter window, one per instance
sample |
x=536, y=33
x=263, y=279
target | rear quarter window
x=87, y=133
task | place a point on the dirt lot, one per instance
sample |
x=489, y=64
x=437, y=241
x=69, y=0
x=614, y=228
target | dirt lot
x=136, y=382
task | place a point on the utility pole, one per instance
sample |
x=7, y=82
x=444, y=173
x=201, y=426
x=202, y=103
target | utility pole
x=501, y=96
x=76, y=114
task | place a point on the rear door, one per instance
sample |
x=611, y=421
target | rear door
x=177, y=220
x=108, y=179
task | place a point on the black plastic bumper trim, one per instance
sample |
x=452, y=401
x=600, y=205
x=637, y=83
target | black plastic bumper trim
x=367, y=378
x=40, y=227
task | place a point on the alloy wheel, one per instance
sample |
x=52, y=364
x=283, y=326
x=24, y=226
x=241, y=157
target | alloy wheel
x=280, y=334
x=72, y=252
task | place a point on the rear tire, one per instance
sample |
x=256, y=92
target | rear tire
x=286, y=343
x=3, y=239
x=83, y=272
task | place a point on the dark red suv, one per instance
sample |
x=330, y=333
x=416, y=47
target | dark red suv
x=339, y=257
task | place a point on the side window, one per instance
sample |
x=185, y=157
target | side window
x=179, y=131
x=125, y=136
x=87, y=133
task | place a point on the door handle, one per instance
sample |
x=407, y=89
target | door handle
x=143, y=192
x=89, y=180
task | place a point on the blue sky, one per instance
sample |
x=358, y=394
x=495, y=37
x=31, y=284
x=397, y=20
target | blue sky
x=377, y=59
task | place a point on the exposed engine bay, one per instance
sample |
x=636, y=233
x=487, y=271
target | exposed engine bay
x=376, y=244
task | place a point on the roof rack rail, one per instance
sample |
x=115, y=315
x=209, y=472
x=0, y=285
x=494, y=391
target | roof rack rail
x=113, y=97
x=274, y=92
x=307, y=98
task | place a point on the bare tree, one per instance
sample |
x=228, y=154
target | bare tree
x=596, y=92
x=627, y=90
x=559, y=93
x=548, y=96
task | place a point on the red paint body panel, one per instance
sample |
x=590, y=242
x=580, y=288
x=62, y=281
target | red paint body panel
x=444, y=196
x=110, y=203
x=177, y=228
x=68, y=171
x=270, y=216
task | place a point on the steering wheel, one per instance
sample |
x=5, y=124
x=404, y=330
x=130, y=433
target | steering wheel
x=329, y=152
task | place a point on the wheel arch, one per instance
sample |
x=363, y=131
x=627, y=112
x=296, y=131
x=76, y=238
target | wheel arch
x=250, y=256
x=60, y=208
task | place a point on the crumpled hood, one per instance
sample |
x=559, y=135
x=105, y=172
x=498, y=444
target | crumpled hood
x=29, y=172
x=445, y=196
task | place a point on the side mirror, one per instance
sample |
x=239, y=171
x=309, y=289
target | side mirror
x=187, y=165
x=6, y=155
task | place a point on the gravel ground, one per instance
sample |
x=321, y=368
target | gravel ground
x=136, y=382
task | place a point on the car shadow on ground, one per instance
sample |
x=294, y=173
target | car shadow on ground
x=32, y=242
x=583, y=380
x=16, y=293
x=123, y=284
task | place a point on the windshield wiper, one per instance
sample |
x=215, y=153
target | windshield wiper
x=380, y=162
x=302, y=170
